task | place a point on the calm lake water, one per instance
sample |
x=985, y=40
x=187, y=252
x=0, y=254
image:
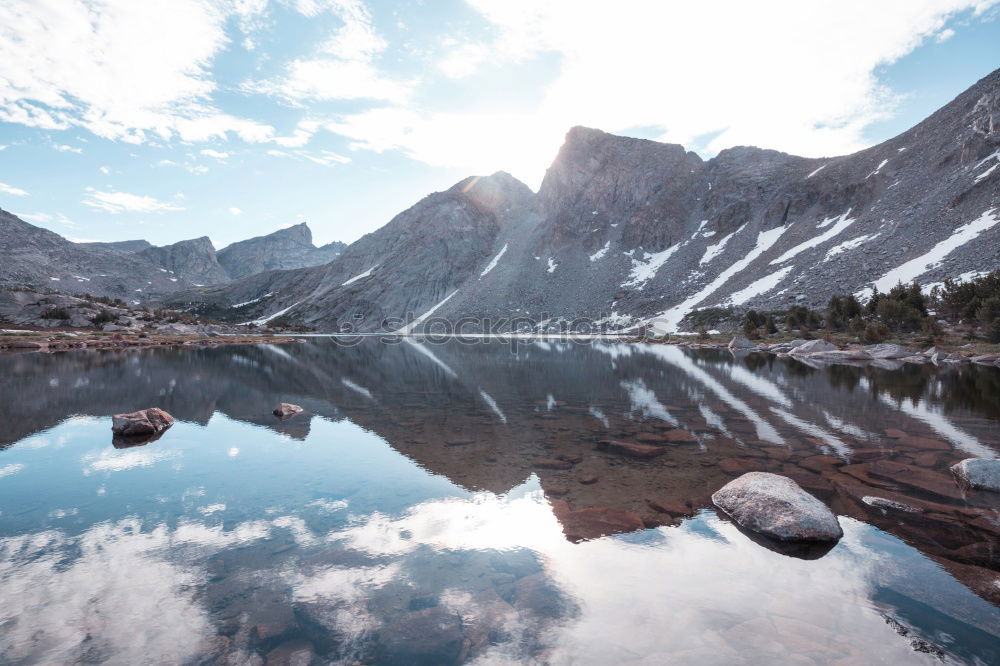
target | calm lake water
x=431, y=507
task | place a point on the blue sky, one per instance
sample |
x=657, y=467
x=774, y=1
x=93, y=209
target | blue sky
x=171, y=119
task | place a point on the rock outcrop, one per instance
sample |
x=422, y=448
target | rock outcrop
x=777, y=507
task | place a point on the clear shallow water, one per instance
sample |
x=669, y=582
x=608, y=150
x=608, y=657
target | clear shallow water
x=413, y=515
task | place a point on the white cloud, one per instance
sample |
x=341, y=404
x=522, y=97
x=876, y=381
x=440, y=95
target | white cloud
x=45, y=218
x=63, y=148
x=3, y=147
x=208, y=152
x=328, y=79
x=121, y=202
x=235, y=211
x=121, y=69
x=945, y=35
x=800, y=77
x=343, y=67
x=10, y=189
x=105, y=170
x=324, y=157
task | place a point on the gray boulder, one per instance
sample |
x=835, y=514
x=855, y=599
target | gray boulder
x=777, y=507
x=841, y=355
x=813, y=346
x=980, y=473
x=888, y=351
x=742, y=344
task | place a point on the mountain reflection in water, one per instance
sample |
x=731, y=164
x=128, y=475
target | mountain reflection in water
x=431, y=507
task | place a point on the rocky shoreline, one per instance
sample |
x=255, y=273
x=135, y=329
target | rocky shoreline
x=32, y=341
x=884, y=355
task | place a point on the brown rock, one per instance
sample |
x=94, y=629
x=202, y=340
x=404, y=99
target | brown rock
x=594, y=522
x=144, y=422
x=587, y=480
x=893, y=433
x=630, y=449
x=820, y=463
x=556, y=490
x=286, y=410
x=552, y=463
x=680, y=436
x=915, y=477
x=674, y=507
x=650, y=438
x=739, y=465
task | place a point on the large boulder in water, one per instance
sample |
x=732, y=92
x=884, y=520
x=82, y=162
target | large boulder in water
x=143, y=422
x=888, y=351
x=981, y=473
x=777, y=507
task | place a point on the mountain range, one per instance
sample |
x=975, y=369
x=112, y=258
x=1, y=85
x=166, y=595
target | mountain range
x=625, y=232
x=136, y=270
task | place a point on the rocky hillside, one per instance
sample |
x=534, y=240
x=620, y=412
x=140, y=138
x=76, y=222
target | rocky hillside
x=291, y=247
x=627, y=232
x=137, y=271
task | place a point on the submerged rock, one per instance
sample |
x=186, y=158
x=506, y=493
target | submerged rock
x=841, y=355
x=630, y=449
x=144, y=422
x=431, y=636
x=286, y=410
x=777, y=507
x=980, y=473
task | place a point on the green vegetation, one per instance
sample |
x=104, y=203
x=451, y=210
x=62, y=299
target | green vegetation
x=902, y=312
x=61, y=314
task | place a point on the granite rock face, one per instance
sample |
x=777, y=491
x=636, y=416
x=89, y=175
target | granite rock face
x=777, y=507
x=980, y=473
x=287, y=248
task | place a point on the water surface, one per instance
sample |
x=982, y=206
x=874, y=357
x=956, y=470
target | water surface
x=445, y=504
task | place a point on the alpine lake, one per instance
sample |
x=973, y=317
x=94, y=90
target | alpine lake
x=446, y=503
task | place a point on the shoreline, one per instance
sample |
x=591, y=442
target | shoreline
x=848, y=352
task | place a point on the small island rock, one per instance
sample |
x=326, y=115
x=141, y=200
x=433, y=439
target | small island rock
x=980, y=473
x=143, y=422
x=777, y=507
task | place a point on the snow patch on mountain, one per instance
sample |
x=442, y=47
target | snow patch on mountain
x=914, y=268
x=494, y=262
x=359, y=276
x=840, y=223
x=552, y=266
x=667, y=321
x=600, y=253
x=848, y=245
x=712, y=251
x=761, y=286
x=643, y=270
x=406, y=330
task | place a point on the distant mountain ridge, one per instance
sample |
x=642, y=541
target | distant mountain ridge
x=627, y=232
x=291, y=247
x=136, y=270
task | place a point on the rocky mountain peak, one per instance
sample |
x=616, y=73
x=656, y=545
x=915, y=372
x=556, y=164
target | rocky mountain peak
x=497, y=193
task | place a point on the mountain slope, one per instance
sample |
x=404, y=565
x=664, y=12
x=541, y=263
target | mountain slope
x=626, y=231
x=291, y=247
x=38, y=258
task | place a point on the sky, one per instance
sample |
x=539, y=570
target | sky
x=173, y=119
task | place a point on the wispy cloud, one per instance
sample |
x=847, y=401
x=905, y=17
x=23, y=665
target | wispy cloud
x=215, y=154
x=235, y=211
x=10, y=189
x=63, y=148
x=123, y=202
x=46, y=218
